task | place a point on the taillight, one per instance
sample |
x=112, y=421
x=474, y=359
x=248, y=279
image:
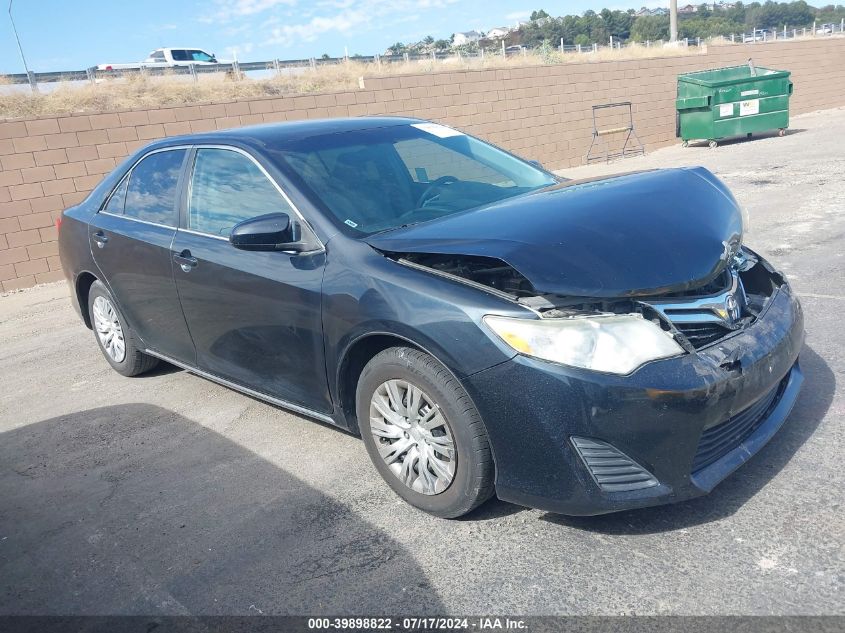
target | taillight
x=59, y=223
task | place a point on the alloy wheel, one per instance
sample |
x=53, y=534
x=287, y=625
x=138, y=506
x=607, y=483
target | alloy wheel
x=109, y=331
x=413, y=437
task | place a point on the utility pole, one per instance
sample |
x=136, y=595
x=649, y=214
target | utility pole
x=29, y=76
x=673, y=20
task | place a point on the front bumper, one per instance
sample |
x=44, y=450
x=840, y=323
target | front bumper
x=656, y=416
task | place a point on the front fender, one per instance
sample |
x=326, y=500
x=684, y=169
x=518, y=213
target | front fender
x=366, y=294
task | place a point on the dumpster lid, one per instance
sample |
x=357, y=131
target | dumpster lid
x=731, y=75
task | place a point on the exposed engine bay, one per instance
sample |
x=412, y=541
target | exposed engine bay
x=696, y=318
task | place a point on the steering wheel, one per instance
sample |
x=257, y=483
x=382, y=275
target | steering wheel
x=432, y=187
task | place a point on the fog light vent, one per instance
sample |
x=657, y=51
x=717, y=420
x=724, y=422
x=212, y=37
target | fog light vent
x=612, y=469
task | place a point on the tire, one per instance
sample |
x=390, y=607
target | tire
x=103, y=308
x=471, y=467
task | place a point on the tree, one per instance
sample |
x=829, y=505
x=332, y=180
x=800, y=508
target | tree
x=830, y=13
x=736, y=13
x=706, y=22
x=650, y=28
x=709, y=27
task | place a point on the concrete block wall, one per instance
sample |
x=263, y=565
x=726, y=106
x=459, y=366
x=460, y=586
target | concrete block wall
x=540, y=112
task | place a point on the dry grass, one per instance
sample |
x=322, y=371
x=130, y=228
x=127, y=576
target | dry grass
x=139, y=92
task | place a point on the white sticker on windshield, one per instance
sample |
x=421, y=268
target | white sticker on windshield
x=440, y=131
x=354, y=225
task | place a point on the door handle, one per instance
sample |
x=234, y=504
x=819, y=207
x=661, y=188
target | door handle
x=185, y=260
x=100, y=238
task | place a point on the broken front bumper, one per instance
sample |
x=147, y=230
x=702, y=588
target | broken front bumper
x=671, y=417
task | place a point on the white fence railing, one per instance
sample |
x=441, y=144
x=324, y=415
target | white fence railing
x=246, y=69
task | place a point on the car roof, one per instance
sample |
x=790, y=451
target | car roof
x=279, y=133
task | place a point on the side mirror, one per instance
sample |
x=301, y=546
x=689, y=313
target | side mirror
x=271, y=232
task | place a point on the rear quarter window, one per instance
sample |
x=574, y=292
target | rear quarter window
x=117, y=198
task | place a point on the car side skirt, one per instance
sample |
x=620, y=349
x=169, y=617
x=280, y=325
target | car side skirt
x=294, y=408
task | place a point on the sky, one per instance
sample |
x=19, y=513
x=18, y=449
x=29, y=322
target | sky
x=76, y=34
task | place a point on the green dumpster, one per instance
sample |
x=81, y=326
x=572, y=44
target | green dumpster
x=725, y=102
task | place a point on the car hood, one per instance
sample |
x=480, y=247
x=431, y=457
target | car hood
x=638, y=234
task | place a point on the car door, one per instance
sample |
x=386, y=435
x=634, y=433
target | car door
x=130, y=240
x=253, y=316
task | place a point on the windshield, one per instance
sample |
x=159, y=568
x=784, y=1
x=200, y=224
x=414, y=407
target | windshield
x=377, y=179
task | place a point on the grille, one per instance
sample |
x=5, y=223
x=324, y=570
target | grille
x=701, y=334
x=718, y=441
x=702, y=315
x=611, y=468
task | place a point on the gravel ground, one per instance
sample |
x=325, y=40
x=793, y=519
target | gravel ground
x=167, y=494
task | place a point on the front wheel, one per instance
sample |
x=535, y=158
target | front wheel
x=423, y=433
x=115, y=337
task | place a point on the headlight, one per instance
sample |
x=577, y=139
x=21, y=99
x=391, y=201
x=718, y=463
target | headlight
x=617, y=344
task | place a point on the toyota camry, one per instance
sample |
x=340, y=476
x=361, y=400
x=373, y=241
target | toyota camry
x=484, y=326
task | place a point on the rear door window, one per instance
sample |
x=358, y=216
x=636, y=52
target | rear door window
x=152, y=189
x=227, y=188
x=180, y=55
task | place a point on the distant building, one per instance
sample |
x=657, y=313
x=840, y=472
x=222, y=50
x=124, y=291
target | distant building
x=660, y=11
x=467, y=37
x=690, y=8
x=498, y=32
x=645, y=11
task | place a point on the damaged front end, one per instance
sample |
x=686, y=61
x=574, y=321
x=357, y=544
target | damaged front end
x=643, y=266
x=692, y=319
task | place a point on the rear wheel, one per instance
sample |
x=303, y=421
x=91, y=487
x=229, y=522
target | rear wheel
x=423, y=433
x=115, y=337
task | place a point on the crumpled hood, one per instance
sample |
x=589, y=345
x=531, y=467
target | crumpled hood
x=634, y=235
